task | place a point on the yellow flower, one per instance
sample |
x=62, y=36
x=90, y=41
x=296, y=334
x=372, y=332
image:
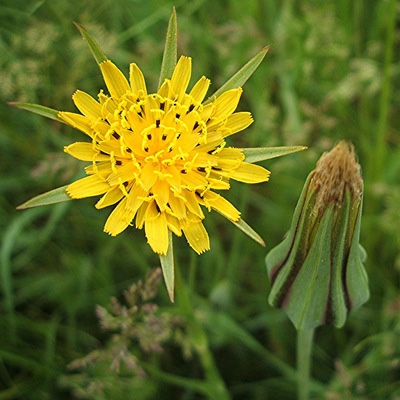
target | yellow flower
x=161, y=156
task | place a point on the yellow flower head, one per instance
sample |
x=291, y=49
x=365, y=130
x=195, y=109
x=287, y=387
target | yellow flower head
x=160, y=156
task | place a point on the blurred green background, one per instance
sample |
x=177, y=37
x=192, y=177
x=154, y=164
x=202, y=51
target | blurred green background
x=332, y=73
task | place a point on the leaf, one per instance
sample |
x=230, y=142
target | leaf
x=266, y=153
x=53, y=196
x=94, y=47
x=240, y=78
x=168, y=269
x=170, y=50
x=38, y=109
x=249, y=231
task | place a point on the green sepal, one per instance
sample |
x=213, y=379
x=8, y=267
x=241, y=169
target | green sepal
x=38, y=109
x=170, y=50
x=249, y=231
x=257, y=154
x=240, y=78
x=93, y=46
x=53, y=196
x=317, y=273
x=168, y=268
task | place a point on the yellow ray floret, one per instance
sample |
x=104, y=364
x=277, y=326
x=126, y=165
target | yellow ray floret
x=160, y=157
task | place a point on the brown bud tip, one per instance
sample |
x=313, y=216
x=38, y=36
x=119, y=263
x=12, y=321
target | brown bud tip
x=336, y=172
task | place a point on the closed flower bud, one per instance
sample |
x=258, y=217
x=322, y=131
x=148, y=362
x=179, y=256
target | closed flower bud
x=317, y=272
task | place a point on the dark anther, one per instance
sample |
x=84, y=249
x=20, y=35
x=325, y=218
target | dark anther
x=140, y=114
x=157, y=208
x=149, y=136
x=115, y=134
x=164, y=137
x=216, y=168
x=146, y=149
x=177, y=115
x=126, y=184
x=102, y=152
x=118, y=162
x=183, y=171
x=195, y=126
x=130, y=129
x=162, y=106
x=199, y=195
x=129, y=150
x=201, y=169
x=191, y=107
x=158, y=123
x=178, y=135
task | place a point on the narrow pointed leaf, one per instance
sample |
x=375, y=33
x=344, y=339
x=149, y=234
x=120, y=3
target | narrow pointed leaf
x=38, y=109
x=170, y=50
x=94, y=47
x=168, y=268
x=53, y=196
x=240, y=78
x=266, y=153
x=249, y=231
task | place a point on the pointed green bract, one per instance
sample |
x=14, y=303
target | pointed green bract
x=53, y=196
x=240, y=78
x=249, y=231
x=94, y=47
x=168, y=269
x=38, y=109
x=266, y=153
x=170, y=49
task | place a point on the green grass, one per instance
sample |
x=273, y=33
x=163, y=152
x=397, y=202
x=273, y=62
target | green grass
x=332, y=73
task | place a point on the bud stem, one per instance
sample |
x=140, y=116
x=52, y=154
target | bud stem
x=304, y=349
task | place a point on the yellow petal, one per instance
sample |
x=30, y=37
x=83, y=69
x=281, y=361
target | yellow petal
x=119, y=219
x=177, y=206
x=236, y=123
x=141, y=214
x=161, y=190
x=199, y=90
x=77, y=121
x=92, y=185
x=250, y=173
x=137, y=79
x=135, y=197
x=123, y=173
x=173, y=224
x=110, y=198
x=115, y=80
x=225, y=105
x=156, y=230
x=192, y=203
x=84, y=151
x=86, y=104
x=148, y=177
x=181, y=76
x=223, y=206
x=197, y=237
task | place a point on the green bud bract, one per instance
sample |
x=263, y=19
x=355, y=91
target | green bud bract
x=317, y=272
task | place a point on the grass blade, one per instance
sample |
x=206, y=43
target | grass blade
x=168, y=268
x=38, y=109
x=53, y=196
x=94, y=47
x=266, y=153
x=240, y=78
x=170, y=50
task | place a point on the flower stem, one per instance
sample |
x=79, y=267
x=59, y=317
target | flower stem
x=200, y=341
x=304, y=350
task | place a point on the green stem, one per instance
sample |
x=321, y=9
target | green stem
x=304, y=349
x=200, y=341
